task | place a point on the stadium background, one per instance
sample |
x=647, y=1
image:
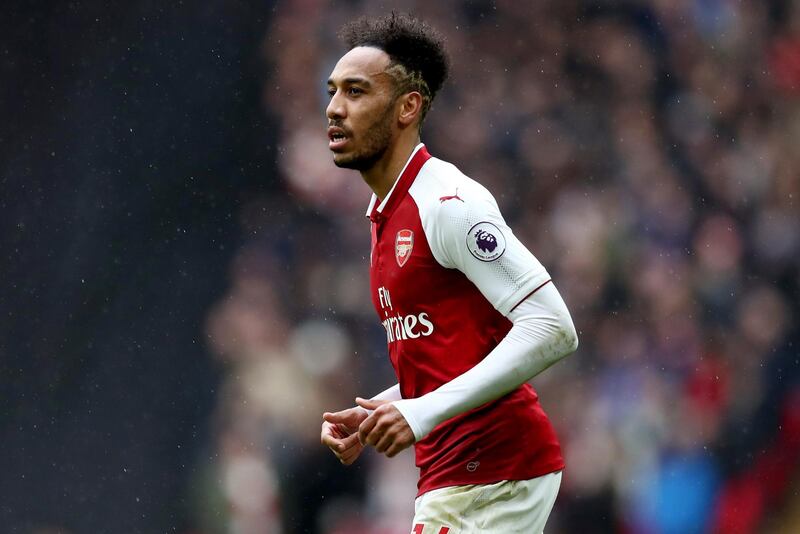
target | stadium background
x=184, y=275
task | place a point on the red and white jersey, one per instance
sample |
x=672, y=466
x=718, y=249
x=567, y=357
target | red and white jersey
x=445, y=270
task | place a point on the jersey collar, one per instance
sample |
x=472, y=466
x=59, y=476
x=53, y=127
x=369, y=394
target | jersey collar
x=412, y=167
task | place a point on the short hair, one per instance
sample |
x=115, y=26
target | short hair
x=419, y=61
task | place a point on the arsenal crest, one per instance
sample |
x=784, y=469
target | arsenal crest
x=403, y=244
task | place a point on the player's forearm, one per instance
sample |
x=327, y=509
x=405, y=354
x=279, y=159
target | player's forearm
x=542, y=334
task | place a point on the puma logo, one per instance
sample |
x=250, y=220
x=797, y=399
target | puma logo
x=450, y=197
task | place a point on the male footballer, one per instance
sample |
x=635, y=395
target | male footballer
x=470, y=314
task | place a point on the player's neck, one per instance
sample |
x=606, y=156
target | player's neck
x=382, y=176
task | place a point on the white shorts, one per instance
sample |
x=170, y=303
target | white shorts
x=521, y=506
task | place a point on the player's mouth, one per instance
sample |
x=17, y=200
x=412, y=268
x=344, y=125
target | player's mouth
x=337, y=138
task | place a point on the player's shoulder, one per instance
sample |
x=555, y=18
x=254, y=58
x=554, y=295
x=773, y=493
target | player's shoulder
x=441, y=189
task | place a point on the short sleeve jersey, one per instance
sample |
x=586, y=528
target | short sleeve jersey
x=445, y=270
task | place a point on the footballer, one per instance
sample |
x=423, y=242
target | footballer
x=470, y=314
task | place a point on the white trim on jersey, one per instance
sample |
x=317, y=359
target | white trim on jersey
x=374, y=198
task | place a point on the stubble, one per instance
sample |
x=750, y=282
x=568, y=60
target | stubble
x=376, y=141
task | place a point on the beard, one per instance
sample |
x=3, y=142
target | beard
x=376, y=140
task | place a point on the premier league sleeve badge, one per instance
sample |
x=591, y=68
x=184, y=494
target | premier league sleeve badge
x=486, y=242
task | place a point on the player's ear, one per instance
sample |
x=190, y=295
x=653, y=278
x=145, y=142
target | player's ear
x=410, y=108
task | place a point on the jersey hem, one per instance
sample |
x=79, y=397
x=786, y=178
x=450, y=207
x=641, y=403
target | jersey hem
x=552, y=467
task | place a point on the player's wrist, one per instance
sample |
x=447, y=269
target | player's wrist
x=409, y=409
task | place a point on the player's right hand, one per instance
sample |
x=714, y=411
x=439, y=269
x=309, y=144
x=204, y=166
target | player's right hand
x=340, y=433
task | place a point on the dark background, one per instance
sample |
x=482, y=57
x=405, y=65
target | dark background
x=129, y=134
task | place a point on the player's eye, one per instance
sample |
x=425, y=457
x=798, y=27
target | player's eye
x=354, y=91
x=331, y=91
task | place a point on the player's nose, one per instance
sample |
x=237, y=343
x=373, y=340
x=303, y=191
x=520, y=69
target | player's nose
x=335, y=109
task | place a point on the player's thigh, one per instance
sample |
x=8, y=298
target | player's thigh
x=505, y=507
x=519, y=506
x=446, y=510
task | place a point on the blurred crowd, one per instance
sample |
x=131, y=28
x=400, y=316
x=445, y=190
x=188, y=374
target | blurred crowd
x=647, y=153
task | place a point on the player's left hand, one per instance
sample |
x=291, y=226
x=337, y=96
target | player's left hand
x=385, y=428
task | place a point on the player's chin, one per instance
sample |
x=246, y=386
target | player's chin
x=344, y=160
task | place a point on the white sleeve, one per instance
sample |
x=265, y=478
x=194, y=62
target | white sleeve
x=470, y=234
x=390, y=394
x=542, y=333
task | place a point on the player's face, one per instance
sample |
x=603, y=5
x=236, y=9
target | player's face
x=362, y=112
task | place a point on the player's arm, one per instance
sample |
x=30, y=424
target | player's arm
x=517, y=285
